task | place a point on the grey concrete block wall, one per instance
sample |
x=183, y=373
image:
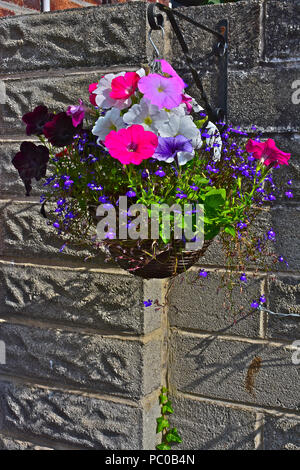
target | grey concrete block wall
x=217, y=389
x=85, y=358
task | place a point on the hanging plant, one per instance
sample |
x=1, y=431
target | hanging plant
x=145, y=141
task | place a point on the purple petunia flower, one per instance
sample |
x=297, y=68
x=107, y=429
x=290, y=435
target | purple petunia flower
x=243, y=277
x=148, y=303
x=168, y=148
x=194, y=187
x=76, y=113
x=289, y=194
x=262, y=299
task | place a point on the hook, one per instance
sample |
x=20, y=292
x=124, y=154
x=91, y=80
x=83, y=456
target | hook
x=152, y=42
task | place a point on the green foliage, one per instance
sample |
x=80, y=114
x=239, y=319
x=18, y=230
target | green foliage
x=169, y=435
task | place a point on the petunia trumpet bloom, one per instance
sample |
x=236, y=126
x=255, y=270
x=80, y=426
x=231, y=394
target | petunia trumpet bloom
x=124, y=86
x=60, y=131
x=167, y=69
x=161, y=91
x=131, y=145
x=36, y=120
x=77, y=113
x=177, y=148
x=267, y=152
x=92, y=88
x=31, y=162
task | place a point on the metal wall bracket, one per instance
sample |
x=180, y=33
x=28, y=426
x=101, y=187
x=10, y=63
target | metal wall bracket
x=219, y=50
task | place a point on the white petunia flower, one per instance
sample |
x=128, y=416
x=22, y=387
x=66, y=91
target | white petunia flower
x=111, y=121
x=184, y=157
x=146, y=114
x=215, y=138
x=181, y=125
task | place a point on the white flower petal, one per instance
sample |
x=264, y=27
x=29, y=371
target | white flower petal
x=184, y=157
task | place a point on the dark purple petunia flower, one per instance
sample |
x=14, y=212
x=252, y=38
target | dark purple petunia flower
x=171, y=148
x=60, y=131
x=36, y=120
x=31, y=162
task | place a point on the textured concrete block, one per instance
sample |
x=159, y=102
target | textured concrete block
x=79, y=38
x=281, y=433
x=220, y=368
x=105, y=365
x=244, y=36
x=286, y=224
x=282, y=30
x=108, y=302
x=25, y=233
x=199, y=304
x=8, y=443
x=263, y=97
x=284, y=298
x=57, y=93
x=10, y=182
x=78, y=420
x=204, y=426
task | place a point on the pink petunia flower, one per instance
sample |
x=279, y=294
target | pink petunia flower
x=267, y=152
x=161, y=91
x=124, y=86
x=93, y=87
x=166, y=68
x=77, y=113
x=187, y=100
x=131, y=145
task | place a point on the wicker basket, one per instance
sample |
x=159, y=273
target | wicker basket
x=143, y=258
x=166, y=263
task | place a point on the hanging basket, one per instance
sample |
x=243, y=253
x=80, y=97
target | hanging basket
x=144, y=258
x=137, y=258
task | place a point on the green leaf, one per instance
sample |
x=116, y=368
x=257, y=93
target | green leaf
x=200, y=123
x=162, y=423
x=215, y=198
x=167, y=408
x=163, y=398
x=163, y=447
x=173, y=436
x=231, y=230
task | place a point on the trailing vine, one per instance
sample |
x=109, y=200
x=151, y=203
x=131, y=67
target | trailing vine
x=169, y=435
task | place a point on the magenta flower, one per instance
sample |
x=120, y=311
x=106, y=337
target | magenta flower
x=60, y=131
x=187, y=101
x=76, y=113
x=131, y=145
x=123, y=87
x=93, y=87
x=167, y=69
x=267, y=152
x=161, y=91
x=36, y=120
